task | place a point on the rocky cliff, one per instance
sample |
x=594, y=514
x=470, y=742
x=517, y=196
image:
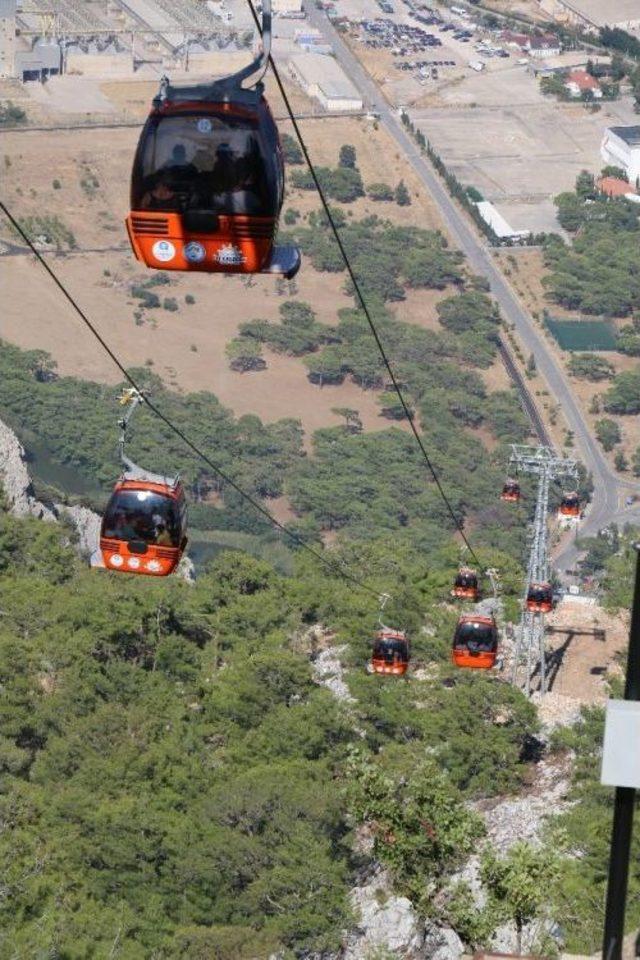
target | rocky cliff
x=22, y=502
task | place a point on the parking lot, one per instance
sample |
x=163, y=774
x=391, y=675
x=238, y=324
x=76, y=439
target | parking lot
x=424, y=46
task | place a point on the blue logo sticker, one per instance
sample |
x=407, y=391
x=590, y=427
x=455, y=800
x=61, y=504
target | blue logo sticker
x=194, y=252
x=204, y=125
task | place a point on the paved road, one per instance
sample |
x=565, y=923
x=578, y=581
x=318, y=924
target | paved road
x=609, y=490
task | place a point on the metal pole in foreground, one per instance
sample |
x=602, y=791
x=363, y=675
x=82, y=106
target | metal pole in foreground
x=624, y=804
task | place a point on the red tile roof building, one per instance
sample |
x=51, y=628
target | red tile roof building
x=579, y=81
x=614, y=187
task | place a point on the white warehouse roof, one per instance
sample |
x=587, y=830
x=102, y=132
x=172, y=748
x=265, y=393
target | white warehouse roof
x=497, y=222
x=317, y=69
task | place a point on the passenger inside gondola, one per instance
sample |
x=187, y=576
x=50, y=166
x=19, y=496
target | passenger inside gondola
x=206, y=163
x=390, y=651
x=476, y=637
x=141, y=515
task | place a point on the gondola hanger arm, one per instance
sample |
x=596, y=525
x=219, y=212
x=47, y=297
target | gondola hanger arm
x=224, y=88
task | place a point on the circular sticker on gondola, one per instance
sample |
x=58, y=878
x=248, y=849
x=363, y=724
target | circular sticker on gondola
x=163, y=251
x=194, y=252
x=204, y=125
x=229, y=255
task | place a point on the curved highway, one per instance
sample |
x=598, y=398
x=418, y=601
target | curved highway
x=609, y=491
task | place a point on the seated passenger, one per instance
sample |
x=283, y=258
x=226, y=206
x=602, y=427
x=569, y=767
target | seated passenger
x=163, y=538
x=160, y=197
x=177, y=164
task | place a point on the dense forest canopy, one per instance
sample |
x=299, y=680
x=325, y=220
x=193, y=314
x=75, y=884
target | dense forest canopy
x=178, y=783
x=174, y=778
x=597, y=273
x=75, y=420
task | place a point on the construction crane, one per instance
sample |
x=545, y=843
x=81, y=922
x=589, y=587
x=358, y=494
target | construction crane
x=530, y=637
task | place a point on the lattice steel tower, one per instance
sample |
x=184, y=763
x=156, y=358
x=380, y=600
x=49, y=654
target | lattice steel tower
x=530, y=637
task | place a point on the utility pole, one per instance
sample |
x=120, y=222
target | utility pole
x=622, y=770
x=530, y=643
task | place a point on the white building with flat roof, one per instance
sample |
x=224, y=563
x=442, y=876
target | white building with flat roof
x=287, y=7
x=322, y=77
x=502, y=229
x=621, y=148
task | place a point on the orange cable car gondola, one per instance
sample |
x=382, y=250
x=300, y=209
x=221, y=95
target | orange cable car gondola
x=465, y=585
x=208, y=177
x=570, y=504
x=144, y=525
x=390, y=652
x=510, y=491
x=540, y=598
x=475, y=642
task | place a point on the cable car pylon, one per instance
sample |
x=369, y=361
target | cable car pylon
x=530, y=638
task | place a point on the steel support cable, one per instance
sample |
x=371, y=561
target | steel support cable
x=332, y=565
x=362, y=301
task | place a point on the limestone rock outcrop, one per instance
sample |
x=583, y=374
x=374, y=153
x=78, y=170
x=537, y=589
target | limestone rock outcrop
x=15, y=480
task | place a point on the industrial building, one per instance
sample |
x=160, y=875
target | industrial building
x=621, y=148
x=41, y=61
x=288, y=8
x=42, y=38
x=591, y=15
x=322, y=77
x=498, y=224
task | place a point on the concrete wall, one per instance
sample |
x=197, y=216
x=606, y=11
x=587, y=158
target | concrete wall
x=98, y=65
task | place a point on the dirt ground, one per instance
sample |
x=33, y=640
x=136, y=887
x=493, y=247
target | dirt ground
x=584, y=641
x=187, y=347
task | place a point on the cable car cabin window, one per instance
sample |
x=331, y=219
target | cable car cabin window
x=540, y=594
x=142, y=515
x=479, y=637
x=466, y=580
x=390, y=651
x=209, y=164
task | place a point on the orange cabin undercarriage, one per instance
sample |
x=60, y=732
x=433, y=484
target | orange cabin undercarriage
x=240, y=244
x=474, y=661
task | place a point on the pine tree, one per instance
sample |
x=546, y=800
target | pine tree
x=402, y=195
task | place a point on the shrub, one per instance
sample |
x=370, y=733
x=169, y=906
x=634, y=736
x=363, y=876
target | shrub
x=56, y=185
x=402, y=195
x=10, y=115
x=347, y=157
x=291, y=150
x=623, y=396
x=170, y=304
x=190, y=299
x=245, y=354
x=149, y=300
x=589, y=366
x=391, y=407
x=380, y=191
x=608, y=433
x=302, y=180
x=474, y=194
